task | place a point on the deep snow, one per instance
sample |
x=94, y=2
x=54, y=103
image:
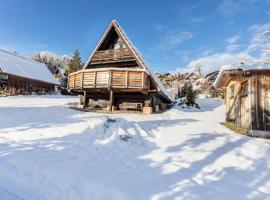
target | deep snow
x=48, y=151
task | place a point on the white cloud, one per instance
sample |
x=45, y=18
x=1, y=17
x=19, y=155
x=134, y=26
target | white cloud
x=260, y=39
x=214, y=62
x=258, y=45
x=229, y=7
x=232, y=7
x=173, y=39
x=232, y=47
x=231, y=43
x=233, y=39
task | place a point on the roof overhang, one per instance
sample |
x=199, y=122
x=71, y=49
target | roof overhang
x=225, y=76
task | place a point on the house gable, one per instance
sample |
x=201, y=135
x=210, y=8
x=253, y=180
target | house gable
x=116, y=50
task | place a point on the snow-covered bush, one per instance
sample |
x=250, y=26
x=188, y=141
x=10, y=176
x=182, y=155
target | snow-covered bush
x=183, y=103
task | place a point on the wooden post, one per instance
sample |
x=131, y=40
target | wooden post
x=95, y=78
x=85, y=100
x=74, y=81
x=126, y=79
x=142, y=80
x=82, y=77
x=111, y=100
x=110, y=79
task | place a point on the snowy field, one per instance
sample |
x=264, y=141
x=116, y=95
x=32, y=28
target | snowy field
x=48, y=151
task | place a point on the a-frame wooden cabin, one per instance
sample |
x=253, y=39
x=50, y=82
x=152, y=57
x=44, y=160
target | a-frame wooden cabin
x=117, y=73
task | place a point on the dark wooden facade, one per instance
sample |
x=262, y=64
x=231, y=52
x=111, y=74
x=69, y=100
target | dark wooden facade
x=247, y=98
x=16, y=85
x=116, y=73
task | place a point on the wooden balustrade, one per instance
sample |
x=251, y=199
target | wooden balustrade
x=113, y=55
x=107, y=78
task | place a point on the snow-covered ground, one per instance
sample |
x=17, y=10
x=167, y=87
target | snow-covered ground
x=48, y=151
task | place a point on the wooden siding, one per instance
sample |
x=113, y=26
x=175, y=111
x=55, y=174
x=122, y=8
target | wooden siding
x=15, y=85
x=110, y=78
x=251, y=111
x=262, y=102
x=238, y=106
x=113, y=55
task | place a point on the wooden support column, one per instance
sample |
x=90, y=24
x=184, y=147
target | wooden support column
x=111, y=103
x=85, y=99
x=126, y=79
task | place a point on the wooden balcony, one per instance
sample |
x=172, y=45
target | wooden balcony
x=110, y=56
x=110, y=78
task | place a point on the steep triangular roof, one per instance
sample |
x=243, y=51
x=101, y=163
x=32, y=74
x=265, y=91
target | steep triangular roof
x=139, y=58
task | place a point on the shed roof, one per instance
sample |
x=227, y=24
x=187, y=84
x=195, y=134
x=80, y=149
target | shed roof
x=228, y=71
x=20, y=66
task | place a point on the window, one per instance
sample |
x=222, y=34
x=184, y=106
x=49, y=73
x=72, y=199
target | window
x=244, y=88
x=232, y=89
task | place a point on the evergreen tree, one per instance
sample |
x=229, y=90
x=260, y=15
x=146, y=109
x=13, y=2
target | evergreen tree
x=190, y=96
x=63, y=86
x=74, y=63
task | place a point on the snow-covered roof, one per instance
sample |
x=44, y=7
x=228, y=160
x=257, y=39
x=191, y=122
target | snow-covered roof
x=138, y=56
x=241, y=67
x=25, y=67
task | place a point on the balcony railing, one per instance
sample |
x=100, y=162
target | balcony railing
x=114, y=55
x=108, y=78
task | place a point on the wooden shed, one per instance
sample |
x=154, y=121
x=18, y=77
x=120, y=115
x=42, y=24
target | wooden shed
x=247, y=96
x=117, y=74
x=20, y=76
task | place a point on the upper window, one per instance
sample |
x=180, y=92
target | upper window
x=244, y=88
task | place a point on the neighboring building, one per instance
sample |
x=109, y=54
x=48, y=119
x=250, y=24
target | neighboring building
x=58, y=73
x=167, y=80
x=210, y=89
x=192, y=77
x=117, y=73
x=19, y=75
x=211, y=77
x=247, y=96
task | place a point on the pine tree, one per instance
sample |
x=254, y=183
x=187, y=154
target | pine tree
x=63, y=86
x=74, y=63
x=190, y=96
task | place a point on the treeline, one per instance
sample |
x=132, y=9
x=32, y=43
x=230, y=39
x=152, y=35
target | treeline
x=60, y=64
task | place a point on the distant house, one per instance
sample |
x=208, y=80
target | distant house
x=192, y=77
x=117, y=74
x=247, y=96
x=211, y=77
x=58, y=73
x=19, y=75
x=167, y=80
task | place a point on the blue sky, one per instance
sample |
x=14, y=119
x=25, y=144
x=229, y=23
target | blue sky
x=172, y=35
